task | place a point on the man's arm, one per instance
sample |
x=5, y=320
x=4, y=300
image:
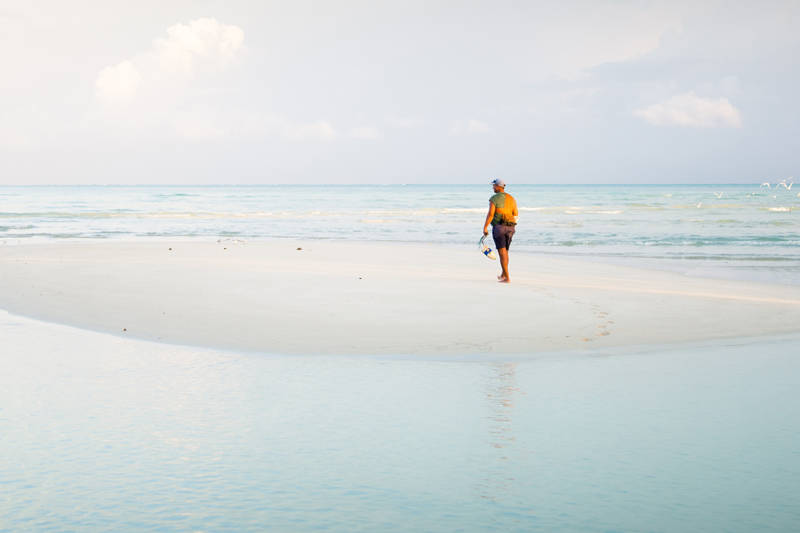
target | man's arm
x=489, y=217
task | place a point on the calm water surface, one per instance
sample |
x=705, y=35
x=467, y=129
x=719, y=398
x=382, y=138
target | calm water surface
x=104, y=433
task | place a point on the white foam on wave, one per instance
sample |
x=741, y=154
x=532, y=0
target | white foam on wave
x=572, y=210
x=464, y=210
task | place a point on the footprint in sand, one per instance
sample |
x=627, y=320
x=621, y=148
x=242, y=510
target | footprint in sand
x=602, y=318
x=603, y=321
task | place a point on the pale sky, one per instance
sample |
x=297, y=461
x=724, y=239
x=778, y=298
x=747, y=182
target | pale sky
x=237, y=92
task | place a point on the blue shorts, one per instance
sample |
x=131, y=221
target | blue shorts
x=502, y=235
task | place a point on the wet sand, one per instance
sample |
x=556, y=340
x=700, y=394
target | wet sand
x=320, y=297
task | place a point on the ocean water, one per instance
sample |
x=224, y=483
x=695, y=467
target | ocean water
x=101, y=433
x=740, y=231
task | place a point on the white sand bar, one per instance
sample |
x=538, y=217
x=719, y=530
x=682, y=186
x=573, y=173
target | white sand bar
x=360, y=298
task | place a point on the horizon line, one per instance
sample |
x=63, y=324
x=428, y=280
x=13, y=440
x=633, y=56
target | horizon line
x=368, y=184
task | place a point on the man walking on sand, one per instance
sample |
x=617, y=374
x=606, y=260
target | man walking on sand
x=502, y=216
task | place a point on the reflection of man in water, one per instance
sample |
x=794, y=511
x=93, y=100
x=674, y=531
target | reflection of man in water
x=502, y=216
x=501, y=390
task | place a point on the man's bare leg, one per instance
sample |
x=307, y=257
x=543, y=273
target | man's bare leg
x=504, y=277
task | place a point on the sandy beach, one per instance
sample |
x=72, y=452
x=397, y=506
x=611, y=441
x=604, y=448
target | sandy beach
x=318, y=297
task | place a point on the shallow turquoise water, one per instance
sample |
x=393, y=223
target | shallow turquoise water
x=742, y=231
x=104, y=433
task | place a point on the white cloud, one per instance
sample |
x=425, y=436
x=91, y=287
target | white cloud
x=605, y=32
x=365, y=133
x=118, y=83
x=202, y=41
x=469, y=127
x=309, y=131
x=202, y=44
x=690, y=110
